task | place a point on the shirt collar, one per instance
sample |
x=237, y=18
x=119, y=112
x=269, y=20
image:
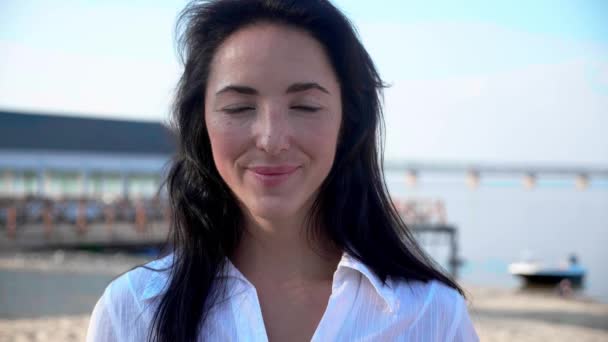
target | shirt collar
x=159, y=280
x=385, y=290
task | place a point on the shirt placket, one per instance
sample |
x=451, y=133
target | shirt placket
x=248, y=316
x=342, y=299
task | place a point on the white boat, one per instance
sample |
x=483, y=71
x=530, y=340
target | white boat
x=534, y=273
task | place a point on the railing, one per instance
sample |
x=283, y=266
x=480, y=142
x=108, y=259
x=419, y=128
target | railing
x=39, y=222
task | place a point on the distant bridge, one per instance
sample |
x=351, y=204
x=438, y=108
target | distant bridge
x=475, y=170
x=457, y=167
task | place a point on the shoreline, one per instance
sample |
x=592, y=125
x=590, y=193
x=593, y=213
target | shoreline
x=499, y=314
x=81, y=262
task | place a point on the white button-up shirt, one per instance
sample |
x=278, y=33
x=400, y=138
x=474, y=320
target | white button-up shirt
x=360, y=308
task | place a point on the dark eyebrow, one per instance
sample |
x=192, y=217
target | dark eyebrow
x=238, y=89
x=297, y=87
x=294, y=88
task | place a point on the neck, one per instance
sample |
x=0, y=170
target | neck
x=280, y=250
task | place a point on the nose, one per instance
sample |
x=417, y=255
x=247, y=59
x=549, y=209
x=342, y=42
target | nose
x=273, y=130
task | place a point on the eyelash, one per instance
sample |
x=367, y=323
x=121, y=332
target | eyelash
x=244, y=109
x=306, y=108
x=237, y=110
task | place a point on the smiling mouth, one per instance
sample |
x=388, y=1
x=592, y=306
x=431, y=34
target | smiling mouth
x=273, y=175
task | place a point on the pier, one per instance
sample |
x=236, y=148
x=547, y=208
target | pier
x=133, y=225
x=429, y=235
x=97, y=236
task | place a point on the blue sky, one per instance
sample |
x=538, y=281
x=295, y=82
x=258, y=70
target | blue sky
x=494, y=81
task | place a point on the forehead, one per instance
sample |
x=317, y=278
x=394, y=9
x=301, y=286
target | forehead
x=271, y=53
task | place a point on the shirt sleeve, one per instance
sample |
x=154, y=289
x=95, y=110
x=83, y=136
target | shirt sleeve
x=463, y=331
x=101, y=327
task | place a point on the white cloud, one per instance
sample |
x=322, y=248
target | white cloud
x=540, y=113
x=440, y=49
x=461, y=91
x=48, y=80
x=480, y=91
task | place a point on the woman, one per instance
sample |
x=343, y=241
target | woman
x=282, y=225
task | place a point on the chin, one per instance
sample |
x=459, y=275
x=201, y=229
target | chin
x=274, y=210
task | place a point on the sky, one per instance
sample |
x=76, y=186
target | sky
x=470, y=81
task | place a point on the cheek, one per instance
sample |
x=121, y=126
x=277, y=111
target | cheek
x=227, y=144
x=320, y=141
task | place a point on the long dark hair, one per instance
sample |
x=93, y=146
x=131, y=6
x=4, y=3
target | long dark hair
x=353, y=208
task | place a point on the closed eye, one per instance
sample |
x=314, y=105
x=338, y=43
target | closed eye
x=306, y=108
x=236, y=110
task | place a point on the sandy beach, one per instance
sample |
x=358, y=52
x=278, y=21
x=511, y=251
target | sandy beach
x=498, y=314
x=512, y=315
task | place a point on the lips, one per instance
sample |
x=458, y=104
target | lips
x=273, y=170
x=273, y=175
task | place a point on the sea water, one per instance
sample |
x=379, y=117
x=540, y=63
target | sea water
x=500, y=221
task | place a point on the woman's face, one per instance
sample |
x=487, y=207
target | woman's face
x=273, y=112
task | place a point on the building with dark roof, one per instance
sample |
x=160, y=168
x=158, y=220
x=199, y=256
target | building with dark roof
x=59, y=156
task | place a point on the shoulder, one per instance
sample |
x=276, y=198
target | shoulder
x=141, y=283
x=431, y=295
x=436, y=305
x=123, y=306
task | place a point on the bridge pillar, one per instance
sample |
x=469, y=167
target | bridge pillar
x=40, y=182
x=83, y=187
x=411, y=178
x=125, y=185
x=47, y=189
x=8, y=182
